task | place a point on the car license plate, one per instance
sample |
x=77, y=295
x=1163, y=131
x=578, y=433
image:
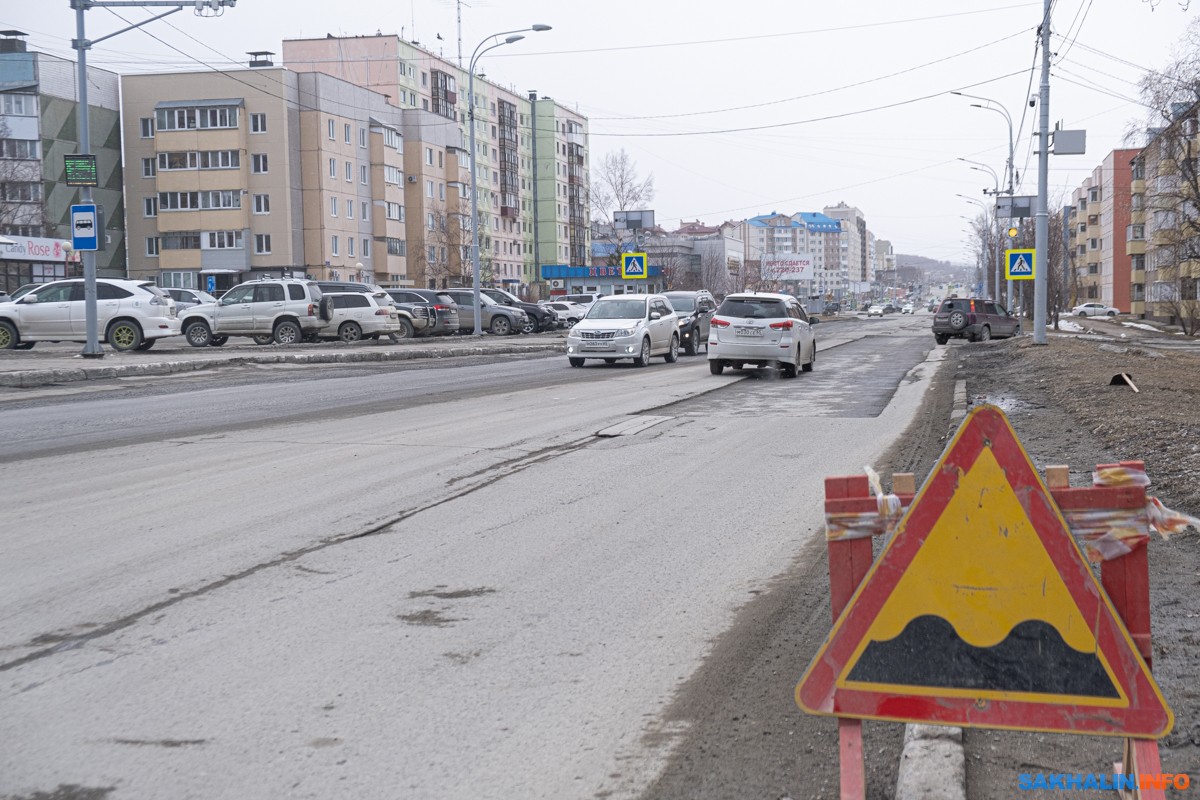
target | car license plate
x=597, y=346
x=749, y=331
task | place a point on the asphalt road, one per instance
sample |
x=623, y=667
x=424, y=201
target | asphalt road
x=471, y=581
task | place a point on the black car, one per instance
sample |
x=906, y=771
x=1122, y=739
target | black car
x=442, y=306
x=694, y=310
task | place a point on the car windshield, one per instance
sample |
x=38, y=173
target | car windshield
x=618, y=309
x=682, y=303
x=753, y=307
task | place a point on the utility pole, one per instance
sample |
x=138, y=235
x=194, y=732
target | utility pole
x=1042, y=218
x=81, y=44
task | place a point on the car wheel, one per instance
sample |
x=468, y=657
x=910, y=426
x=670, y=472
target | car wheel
x=265, y=338
x=811, y=361
x=643, y=357
x=288, y=332
x=788, y=370
x=958, y=320
x=24, y=345
x=716, y=367
x=673, y=353
x=8, y=336
x=1112, y=313
x=577, y=362
x=693, y=344
x=941, y=338
x=530, y=325
x=1081, y=314
x=349, y=332
x=146, y=345
x=124, y=335
x=406, y=330
x=571, y=322
x=501, y=326
x=218, y=341
x=197, y=334
x=985, y=335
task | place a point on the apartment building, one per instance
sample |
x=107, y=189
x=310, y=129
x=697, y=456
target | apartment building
x=811, y=233
x=262, y=171
x=855, y=261
x=1098, y=222
x=1164, y=221
x=38, y=104
x=531, y=163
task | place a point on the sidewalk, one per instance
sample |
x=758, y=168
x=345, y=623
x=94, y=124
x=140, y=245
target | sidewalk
x=52, y=363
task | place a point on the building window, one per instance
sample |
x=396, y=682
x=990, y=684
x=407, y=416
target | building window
x=181, y=240
x=152, y=245
x=231, y=198
x=172, y=161
x=150, y=207
x=262, y=204
x=350, y=246
x=258, y=163
x=365, y=212
x=333, y=245
x=431, y=254
x=441, y=191
x=429, y=156
x=262, y=244
x=429, y=221
x=179, y=201
x=258, y=123
x=19, y=105
x=346, y=133
x=396, y=247
x=333, y=206
x=349, y=172
x=366, y=247
x=178, y=280
x=182, y=119
x=429, y=189
x=147, y=126
x=149, y=170
x=223, y=240
x=333, y=168
x=349, y=209
x=362, y=137
x=362, y=174
x=330, y=129
x=220, y=159
x=392, y=175
x=394, y=211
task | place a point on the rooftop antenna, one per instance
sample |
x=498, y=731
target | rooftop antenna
x=458, y=7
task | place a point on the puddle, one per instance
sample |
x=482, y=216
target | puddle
x=428, y=617
x=455, y=595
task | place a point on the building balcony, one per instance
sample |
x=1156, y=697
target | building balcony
x=1137, y=308
x=509, y=212
x=1137, y=217
x=1135, y=247
x=1137, y=186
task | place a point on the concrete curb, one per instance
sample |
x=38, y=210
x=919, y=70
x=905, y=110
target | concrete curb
x=44, y=377
x=933, y=762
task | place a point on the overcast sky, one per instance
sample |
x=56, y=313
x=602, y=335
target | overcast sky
x=746, y=107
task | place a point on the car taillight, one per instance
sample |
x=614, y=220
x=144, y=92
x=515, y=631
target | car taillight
x=717, y=322
x=785, y=325
x=441, y=308
x=382, y=312
x=312, y=309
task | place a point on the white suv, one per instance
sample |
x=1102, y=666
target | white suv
x=130, y=315
x=763, y=329
x=635, y=326
x=280, y=310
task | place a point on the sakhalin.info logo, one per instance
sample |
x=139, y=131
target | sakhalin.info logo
x=1027, y=781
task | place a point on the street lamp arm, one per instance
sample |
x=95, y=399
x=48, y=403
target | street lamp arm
x=486, y=39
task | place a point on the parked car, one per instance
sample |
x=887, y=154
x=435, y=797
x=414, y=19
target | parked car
x=539, y=318
x=831, y=309
x=583, y=299
x=907, y=308
x=694, y=310
x=974, y=319
x=21, y=291
x=130, y=315
x=443, y=311
x=369, y=315
x=280, y=310
x=889, y=308
x=637, y=326
x=186, y=298
x=762, y=329
x=875, y=311
x=568, y=312
x=1094, y=310
x=495, y=318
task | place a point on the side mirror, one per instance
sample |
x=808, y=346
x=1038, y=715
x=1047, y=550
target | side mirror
x=655, y=315
x=813, y=320
x=29, y=298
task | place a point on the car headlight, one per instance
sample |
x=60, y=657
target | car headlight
x=626, y=332
x=573, y=334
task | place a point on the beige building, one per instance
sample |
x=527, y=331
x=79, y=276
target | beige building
x=531, y=163
x=261, y=171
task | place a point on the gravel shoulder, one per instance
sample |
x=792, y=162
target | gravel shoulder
x=746, y=738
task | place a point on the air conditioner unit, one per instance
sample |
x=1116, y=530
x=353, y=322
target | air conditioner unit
x=412, y=178
x=556, y=284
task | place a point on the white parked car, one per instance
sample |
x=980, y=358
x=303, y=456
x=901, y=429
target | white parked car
x=186, y=298
x=369, y=315
x=1094, y=310
x=568, y=312
x=763, y=329
x=875, y=311
x=130, y=315
x=636, y=326
x=908, y=309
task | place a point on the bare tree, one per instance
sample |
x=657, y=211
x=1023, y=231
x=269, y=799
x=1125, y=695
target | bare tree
x=715, y=272
x=616, y=186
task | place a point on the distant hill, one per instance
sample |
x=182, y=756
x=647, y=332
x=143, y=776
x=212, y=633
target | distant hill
x=936, y=269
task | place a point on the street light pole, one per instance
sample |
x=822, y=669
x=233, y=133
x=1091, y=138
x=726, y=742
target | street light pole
x=1041, y=216
x=979, y=166
x=986, y=211
x=514, y=37
x=81, y=44
x=1009, y=168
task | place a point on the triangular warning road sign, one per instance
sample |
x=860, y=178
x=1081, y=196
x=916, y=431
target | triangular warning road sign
x=983, y=612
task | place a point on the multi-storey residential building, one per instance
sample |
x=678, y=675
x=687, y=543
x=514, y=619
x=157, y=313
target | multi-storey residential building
x=531, y=160
x=806, y=232
x=855, y=261
x=261, y=171
x=1099, y=220
x=1164, y=225
x=38, y=103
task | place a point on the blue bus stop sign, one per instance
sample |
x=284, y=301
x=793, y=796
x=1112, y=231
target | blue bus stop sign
x=84, y=224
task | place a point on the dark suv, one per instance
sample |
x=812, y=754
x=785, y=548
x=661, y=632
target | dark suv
x=441, y=306
x=974, y=319
x=694, y=310
x=539, y=318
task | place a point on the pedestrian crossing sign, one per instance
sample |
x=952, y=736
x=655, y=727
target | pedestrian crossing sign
x=633, y=265
x=1019, y=265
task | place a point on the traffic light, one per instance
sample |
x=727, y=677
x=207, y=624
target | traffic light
x=1012, y=233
